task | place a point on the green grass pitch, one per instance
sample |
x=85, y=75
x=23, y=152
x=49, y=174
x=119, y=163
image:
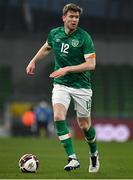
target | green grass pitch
x=116, y=159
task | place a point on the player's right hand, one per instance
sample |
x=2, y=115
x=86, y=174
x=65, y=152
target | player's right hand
x=30, y=68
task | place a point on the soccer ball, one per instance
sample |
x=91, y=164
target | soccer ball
x=28, y=163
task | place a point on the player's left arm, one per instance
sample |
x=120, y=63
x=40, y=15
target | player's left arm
x=89, y=64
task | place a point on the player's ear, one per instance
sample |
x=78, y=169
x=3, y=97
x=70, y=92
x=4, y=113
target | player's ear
x=63, y=18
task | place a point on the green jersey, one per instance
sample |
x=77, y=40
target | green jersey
x=69, y=50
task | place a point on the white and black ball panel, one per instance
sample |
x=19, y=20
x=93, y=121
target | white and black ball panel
x=28, y=163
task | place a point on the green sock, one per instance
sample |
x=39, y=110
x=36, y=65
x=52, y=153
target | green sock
x=90, y=137
x=64, y=136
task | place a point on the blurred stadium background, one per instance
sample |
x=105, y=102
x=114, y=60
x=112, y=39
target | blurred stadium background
x=24, y=25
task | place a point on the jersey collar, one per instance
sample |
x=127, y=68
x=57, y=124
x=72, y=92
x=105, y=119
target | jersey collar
x=68, y=35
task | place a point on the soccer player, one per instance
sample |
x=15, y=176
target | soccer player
x=74, y=59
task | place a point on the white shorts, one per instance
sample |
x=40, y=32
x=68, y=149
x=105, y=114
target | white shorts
x=82, y=98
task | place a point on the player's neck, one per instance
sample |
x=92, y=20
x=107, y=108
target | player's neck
x=68, y=31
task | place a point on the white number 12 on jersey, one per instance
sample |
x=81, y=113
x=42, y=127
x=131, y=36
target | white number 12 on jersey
x=64, y=48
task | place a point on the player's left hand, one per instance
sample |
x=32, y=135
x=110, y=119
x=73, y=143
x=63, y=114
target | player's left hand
x=58, y=73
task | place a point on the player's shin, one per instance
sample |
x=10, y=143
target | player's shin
x=90, y=136
x=65, y=137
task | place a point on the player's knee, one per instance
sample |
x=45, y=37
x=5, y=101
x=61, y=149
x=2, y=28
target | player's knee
x=58, y=117
x=84, y=125
x=59, y=112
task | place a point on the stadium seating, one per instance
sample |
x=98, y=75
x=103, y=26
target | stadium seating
x=113, y=87
x=5, y=83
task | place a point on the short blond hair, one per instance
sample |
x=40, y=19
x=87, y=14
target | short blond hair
x=72, y=7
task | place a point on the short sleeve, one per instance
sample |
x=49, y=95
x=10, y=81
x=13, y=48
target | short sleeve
x=88, y=46
x=49, y=39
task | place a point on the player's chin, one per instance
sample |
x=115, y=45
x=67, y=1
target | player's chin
x=73, y=27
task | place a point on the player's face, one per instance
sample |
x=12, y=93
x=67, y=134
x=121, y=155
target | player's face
x=71, y=20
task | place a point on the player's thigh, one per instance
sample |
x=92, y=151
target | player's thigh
x=60, y=101
x=82, y=102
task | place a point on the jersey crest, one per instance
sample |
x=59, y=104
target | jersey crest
x=75, y=42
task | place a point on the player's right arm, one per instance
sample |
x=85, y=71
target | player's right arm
x=43, y=51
